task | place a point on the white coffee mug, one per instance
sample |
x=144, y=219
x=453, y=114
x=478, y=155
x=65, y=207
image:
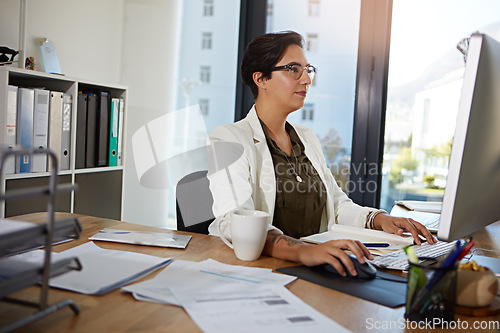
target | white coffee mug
x=248, y=232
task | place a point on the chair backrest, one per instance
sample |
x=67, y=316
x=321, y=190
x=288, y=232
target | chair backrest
x=194, y=203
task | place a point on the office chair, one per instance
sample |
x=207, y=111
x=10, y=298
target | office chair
x=194, y=203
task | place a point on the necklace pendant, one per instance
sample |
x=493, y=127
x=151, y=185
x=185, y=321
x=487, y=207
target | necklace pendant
x=299, y=179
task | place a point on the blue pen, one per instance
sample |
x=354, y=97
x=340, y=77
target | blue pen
x=376, y=244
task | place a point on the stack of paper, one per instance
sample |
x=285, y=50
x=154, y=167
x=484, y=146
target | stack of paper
x=200, y=276
x=103, y=270
x=228, y=298
x=142, y=238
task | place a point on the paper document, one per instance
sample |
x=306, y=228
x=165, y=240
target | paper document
x=259, y=308
x=10, y=226
x=230, y=298
x=192, y=276
x=142, y=238
x=339, y=231
x=103, y=270
x=421, y=206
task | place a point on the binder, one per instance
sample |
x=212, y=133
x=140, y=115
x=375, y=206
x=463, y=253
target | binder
x=40, y=128
x=120, y=131
x=24, y=121
x=66, y=132
x=55, y=124
x=8, y=127
x=81, y=130
x=90, y=153
x=102, y=129
x=113, y=132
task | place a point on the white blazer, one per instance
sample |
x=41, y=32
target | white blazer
x=250, y=182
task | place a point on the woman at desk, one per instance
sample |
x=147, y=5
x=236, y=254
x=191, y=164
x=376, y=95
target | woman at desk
x=283, y=170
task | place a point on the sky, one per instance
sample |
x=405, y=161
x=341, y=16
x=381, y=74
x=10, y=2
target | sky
x=424, y=30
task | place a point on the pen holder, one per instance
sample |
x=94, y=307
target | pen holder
x=431, y=293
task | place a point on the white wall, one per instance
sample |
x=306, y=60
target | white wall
x=148, y=68
x=128, y=42
x=87, y=34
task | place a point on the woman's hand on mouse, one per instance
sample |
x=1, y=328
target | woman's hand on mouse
x=398, y=225
x=332, y=253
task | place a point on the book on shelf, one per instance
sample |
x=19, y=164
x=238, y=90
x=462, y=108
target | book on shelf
x=102, y=131
x=90, y=146
x=55, y=124
x=421, y=206
x=8, y=127
x=24, y=127
x=113, y=132
x=81, y=130
x=64, y=162
x=40, y=128
x=121, y=109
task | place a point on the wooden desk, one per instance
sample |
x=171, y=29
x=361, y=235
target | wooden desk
x=119, y=312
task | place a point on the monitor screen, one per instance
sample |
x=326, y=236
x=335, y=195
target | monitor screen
x=472, y=193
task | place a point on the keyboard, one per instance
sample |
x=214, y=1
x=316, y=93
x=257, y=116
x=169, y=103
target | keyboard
x=398, y=260
x=433, y=224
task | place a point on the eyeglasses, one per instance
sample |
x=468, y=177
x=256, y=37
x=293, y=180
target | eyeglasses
x=295, y=71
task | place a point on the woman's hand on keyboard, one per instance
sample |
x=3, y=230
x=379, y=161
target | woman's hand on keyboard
x=398, y=225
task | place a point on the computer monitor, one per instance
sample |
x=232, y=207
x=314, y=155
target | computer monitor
x=472, y=193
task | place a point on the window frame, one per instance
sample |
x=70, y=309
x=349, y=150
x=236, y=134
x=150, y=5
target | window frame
x=208, y=8
x=370, y=102
x=206, y=40
x=205, y=73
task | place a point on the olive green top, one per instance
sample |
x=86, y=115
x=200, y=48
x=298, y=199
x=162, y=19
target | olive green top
x=300, y=192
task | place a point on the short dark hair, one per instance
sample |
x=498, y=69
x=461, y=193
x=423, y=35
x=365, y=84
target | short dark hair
x=263, y=53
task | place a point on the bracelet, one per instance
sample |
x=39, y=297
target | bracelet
x=370, y=223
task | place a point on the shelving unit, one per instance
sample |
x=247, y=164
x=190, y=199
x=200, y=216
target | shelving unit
x=17, y=237
x=96, y=183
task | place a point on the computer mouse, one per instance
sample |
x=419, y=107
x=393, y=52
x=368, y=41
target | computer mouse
x=365, y=271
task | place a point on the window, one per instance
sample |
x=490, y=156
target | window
x=312, y=42
x=329, y=108
x=204, y=106
x=205, y=74
x=216, y=69
x=206, y=40
x=423, y=93
x=308, y=112
x=313, y=6
x=208, y=8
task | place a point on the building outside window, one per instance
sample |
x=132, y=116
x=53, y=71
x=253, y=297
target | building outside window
x=204, y=102
x=313, y=7
x=206, y=40
x=210, y=75
x=208, y=8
